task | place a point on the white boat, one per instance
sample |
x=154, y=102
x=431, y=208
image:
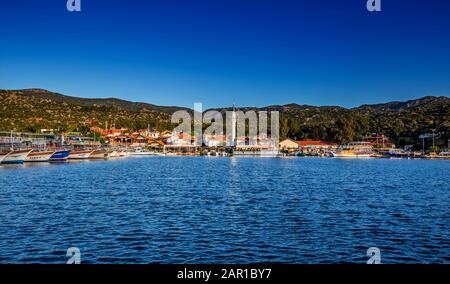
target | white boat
x=354, y=150
x=140, y=152
x=99, y=154
x=256, y=151
x=117, y=154
x=80, y=154
x=350, y=154
x=16, y=157
x=39, y=156
x=3, y=155
x=442, y=155
x=445, y=154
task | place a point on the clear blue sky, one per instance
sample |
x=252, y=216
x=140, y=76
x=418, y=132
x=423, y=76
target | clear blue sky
x=248, y=52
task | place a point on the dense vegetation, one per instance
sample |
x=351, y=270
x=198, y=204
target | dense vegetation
x=343, y=125
x=20, y=111
x=402, y=122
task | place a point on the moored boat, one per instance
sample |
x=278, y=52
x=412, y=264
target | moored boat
x=115, y=154
x=3, y=155
x=39, y=156
x=16, y=157
x=350, y=154
x=257, y=153
x=80, y=154
x=99, y=154
x=60, y=156
x=441, y=155
x=354, y=150
x=444, y=155
x=140, y=152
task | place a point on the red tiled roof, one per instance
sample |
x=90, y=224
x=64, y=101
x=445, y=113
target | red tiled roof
x=309, y=142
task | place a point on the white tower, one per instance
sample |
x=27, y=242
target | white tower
x=231, y=124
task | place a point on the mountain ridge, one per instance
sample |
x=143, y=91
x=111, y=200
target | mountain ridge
x=141, y=106
x=109, y=102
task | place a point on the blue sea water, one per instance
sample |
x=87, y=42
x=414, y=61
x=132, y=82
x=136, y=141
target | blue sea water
x=226, y=210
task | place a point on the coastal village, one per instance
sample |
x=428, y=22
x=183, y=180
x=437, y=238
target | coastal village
x=48, y=146
x=40, y=126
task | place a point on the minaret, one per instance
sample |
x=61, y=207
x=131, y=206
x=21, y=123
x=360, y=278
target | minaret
x=233, y=125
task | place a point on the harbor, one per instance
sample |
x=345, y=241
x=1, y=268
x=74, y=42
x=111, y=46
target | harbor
x=17, y=148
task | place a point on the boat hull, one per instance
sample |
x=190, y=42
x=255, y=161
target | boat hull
x=16, y=157
x=79, y=155
x=39, y=157
x=143, y=153
x=60, y=156
x=99, y=155
x=261, y=153
x=350, y=155
x=116, y=154
x=3, y=156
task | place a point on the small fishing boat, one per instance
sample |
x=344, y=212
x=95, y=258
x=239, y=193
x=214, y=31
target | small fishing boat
x=80, y=154
x=16, y=157
x=39, y=156
x=99, y=154
x=60, y=156
x=354, y=150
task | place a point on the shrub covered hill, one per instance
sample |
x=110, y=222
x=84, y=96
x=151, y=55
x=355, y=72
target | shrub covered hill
x=33, y=109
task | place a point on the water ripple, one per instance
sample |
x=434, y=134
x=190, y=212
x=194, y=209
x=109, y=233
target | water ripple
x=230, y=210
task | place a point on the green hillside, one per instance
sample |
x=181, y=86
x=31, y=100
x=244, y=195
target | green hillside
x=34, y=109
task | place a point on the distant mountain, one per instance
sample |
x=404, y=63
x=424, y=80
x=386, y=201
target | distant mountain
x=280, y=108
x=425, y=102
x=108, y=102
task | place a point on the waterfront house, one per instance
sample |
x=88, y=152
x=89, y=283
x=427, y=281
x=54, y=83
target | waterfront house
x=155, y=143
x=379, y=141
x=99, y=130
x=180, y=139
x=288, y=145
x=115, y=132
x=121, y=140
x=310, y=144
x=166, y=134
x=138, y=141
x=214, y=140
x=154, y=134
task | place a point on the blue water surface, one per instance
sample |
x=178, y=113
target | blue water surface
x=226, y=210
